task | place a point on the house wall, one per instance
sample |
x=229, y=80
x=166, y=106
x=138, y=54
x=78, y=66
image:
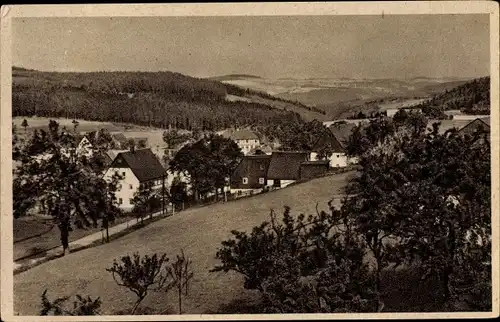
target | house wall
x=247, y=145
x=337, y=159
x=283, y=183
x=125, y=191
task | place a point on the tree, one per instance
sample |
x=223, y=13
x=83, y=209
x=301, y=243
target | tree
x=51, y=173
x=312, y=264
x=75, y=125
x=180, y=274
x=207, y=162
x=81, y=306
x=141, y=144
x=140, y=275
x=178, y=191
x=173, y=138
x=25, y=125
x=146, y=199
x=424, y=198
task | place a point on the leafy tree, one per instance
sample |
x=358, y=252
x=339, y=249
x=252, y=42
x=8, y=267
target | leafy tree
x=173, y=138
x=312, y=264
x=81, y=306
x=424, y=198
x=141, y=144
x=207, y=162
x=140, y=275
x=25, y=125
x=178, y=191
x=51, y=173
x=146, y=199
x=180, y=274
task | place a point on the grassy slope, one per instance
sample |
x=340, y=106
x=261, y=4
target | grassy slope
x=198, y=231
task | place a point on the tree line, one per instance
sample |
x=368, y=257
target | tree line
x=161, y=99
x=471, y=98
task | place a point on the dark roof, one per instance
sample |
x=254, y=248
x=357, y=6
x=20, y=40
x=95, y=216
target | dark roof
x=120, y=137
x=251, y=165
x=286, y=165
x=328, y=139
x=485, y=122
x=143, y=163
x=342, y=132
x=317, y=162
x=243, y=134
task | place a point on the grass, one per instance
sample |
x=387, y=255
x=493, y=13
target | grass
x=198, y=231
x=44, y=237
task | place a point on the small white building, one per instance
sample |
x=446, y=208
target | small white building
x=246, y=140
x=138, y=168
x=334, y=141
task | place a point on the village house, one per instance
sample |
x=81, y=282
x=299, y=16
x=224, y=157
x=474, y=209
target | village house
x=284, y=168
x=138, y=168
x=250, y=174
x=475, y=125
x=334, y=141
x=246, y=140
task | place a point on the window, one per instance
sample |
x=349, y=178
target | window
x=120, y=201
x=123, y=174
x=261, y=180
x=245, y=180
x=130, y=186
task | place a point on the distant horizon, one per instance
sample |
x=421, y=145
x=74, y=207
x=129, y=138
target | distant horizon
x=273, y=47
x=245, y=74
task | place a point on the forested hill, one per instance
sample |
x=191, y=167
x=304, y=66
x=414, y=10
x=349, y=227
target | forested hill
x=155, y=99
x=471, y=98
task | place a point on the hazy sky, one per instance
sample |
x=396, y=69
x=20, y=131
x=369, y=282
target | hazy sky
x=402, y=46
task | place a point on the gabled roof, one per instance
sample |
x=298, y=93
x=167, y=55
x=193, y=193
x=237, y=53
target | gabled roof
x=120, y=137
x=485, y=121
x=250, y=165
x=342, y=132
x=143, y=163
x=328, y=139
x=243, y=134
x=286, y=165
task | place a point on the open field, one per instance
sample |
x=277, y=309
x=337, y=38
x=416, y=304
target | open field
x=35, y=235
x=198, y=231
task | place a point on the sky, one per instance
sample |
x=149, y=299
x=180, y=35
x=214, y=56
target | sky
x=389, y=46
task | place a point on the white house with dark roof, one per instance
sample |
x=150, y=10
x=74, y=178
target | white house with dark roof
x=139, y=167
x=246, y=140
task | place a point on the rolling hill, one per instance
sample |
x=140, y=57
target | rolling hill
x=159, y=99
x=340, y=97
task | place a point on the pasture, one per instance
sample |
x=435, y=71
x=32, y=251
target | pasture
x=198, y=231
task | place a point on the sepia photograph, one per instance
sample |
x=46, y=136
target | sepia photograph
x=248, y=160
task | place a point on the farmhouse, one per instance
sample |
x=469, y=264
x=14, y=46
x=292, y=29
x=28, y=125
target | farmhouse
x=331, y=146
x=245, y=139
x=138, y=168
x=475, y=125
x=284, y=168
x=251, y=173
